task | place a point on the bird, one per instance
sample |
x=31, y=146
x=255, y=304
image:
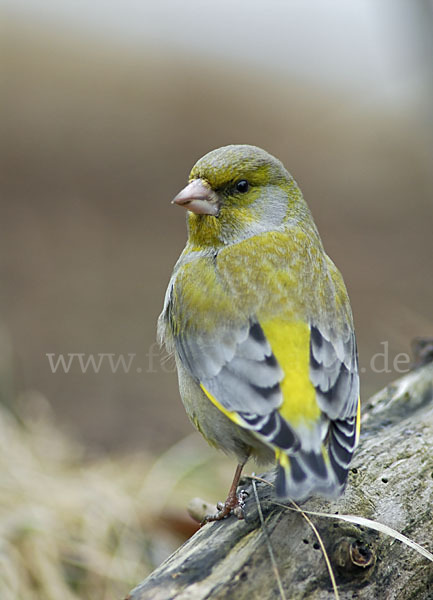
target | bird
x=260, y=324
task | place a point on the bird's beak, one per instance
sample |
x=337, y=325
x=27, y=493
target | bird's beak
x=199, y=198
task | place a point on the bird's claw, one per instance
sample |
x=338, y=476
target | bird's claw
x=233, y=505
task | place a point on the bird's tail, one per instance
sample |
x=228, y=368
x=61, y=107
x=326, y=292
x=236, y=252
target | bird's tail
x=323, y=472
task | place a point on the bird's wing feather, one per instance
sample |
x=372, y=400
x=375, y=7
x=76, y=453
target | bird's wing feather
x=238, y=368
x=334, y=373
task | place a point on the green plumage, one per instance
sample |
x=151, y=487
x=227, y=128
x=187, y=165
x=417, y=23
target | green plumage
x=260, y=324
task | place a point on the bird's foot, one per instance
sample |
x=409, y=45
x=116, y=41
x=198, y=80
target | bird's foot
x=234, y=505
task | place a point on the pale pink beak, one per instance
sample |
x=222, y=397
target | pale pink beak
x=199, y=198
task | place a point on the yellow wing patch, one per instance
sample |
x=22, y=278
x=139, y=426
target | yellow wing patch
x=358, y=421
x=290, y=343
x=282, y=458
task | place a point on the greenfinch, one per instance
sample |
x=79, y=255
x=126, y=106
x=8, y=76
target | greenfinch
x=259, y=321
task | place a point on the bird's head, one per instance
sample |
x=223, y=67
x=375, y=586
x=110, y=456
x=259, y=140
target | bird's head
x=236, y=192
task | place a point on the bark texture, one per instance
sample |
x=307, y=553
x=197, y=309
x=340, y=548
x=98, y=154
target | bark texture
x=391, y=481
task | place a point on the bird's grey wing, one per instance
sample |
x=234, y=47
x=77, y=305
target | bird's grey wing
x=237, y=369
x=334, y=374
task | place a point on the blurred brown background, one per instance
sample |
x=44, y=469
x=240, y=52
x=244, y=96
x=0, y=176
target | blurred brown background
x=105, y=108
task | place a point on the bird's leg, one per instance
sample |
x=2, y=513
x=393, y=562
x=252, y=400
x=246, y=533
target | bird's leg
x=234, y=503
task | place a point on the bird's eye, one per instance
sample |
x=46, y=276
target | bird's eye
x=242, y=186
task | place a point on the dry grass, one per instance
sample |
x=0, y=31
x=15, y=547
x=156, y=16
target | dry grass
x=68, y=529
x=71, y=527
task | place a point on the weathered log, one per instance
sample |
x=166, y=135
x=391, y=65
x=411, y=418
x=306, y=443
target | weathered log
x=391, y=481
